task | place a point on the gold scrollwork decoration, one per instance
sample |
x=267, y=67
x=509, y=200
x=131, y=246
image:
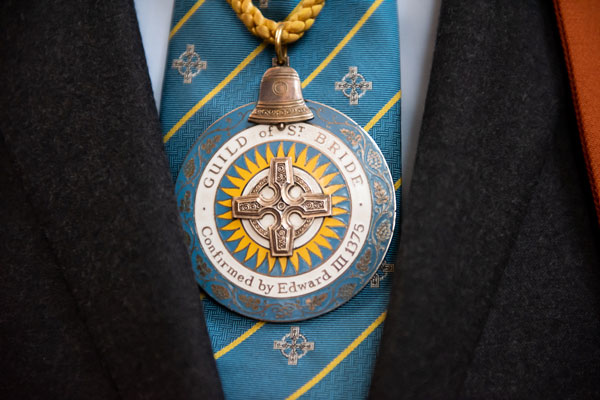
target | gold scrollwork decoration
x=316, y=301
x=381, y=196
x=250, y=302
x=384, y=231
x=210, y=144
x=347, y=291
x=365, y=261
x=220, y=292
x=353, y=137
x=201, y=266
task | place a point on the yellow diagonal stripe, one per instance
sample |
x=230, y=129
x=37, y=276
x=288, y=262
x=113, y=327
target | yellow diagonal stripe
x=185, y=18
x=213, y=92
x=239, y=340
x=339, y=358
x=341, y=44
x=383, y=111
x=398, y=184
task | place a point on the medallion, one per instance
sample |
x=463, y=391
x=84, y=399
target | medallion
x=288, y=206
x=285, y=222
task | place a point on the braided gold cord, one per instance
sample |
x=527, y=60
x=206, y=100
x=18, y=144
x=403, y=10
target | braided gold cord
x=299, y=21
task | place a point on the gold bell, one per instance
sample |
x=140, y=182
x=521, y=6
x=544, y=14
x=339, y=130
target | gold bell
x=280, y=99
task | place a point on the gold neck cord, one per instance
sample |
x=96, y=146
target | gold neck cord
x=294, y=26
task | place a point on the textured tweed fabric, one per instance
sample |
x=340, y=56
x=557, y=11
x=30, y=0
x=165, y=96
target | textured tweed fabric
x=98, y=298
x=498, y=290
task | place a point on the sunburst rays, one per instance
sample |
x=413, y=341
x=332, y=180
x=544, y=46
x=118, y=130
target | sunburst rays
x=246, y=247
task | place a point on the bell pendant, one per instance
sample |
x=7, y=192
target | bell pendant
x=280, y=99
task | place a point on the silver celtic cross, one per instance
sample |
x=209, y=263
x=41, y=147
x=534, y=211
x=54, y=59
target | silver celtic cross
x=189, y=64
x=293, y=345
x=353, y=85
x=282, y=205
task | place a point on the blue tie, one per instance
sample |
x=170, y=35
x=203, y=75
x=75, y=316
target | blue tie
x=348, y=60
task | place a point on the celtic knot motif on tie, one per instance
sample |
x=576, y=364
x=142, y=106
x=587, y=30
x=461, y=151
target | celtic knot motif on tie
x=281, y=205
x=353, y=85
x=294, y=345
x=189, y=64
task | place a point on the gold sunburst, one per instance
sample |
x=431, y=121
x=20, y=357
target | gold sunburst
x=319, y=241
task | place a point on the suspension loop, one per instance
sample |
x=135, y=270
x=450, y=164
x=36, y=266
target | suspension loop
x=280, y=48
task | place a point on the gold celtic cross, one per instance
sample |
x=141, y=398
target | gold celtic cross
x=281, y=205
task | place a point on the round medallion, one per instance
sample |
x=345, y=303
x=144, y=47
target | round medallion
x=285, y=224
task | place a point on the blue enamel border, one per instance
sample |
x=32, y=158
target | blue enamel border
x=351, y=281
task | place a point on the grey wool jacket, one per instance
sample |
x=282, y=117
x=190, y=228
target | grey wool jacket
x=498, y=289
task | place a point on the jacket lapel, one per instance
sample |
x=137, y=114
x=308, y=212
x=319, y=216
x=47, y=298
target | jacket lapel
x=496, y=100
x=79, y=121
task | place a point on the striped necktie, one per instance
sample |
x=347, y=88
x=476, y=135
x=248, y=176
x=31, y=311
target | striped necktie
x=215, y=65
